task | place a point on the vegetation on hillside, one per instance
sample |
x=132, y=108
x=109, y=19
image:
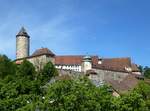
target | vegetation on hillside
x=22, y=88
x=145, y=71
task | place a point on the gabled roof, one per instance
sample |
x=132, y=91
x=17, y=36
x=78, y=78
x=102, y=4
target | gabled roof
x=135, y=68
x=114, y=64
x=23, y=32
x=71, y=59
x=43, y=51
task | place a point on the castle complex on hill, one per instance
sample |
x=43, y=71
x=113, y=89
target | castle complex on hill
x=96, y=67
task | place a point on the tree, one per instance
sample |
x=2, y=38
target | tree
x=147, y=72
x=48, y=72
x=141, y=68
x=21, y=86
x=132, y=102
x=7, y=67
x=16, y=91
x=76, y=95
x=26, y=69
x=144, y=90
x=24, y=89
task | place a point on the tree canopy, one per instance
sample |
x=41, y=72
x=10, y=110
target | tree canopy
x=147, y=72
x=22, y=88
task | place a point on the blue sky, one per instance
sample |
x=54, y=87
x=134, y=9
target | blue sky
x=108, y=28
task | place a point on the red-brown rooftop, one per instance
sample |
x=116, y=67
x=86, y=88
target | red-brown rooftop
x=43, y=51
x=72, y=59
x=76, y=60
x=114, y=64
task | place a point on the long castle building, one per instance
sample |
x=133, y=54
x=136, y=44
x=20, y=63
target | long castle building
x=95, y=66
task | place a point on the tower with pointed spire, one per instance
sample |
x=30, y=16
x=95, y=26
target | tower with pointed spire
x=22, y=44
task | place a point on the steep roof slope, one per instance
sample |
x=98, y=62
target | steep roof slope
x=135, y=68
x=114, y=64
x=43, y=51
x=71, y=59
x=23, y=32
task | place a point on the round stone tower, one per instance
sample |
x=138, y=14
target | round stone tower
x=22, y=44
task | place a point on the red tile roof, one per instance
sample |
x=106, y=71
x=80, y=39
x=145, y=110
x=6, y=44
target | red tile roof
x=68, y=60
x=39, y=52
x=43, y=51
x=72, y=60
x=114, y=64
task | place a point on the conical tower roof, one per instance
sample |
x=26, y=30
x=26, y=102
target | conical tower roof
x=23, y=32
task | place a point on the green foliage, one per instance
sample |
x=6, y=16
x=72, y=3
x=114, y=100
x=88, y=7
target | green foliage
x=81, y=95
x=143, y=89
x=6, y=67
x=19, y=86
x=147, y=72
x=26, y=69
x=132, y=102
x=76, y=95
x=141, y=68
x=23, y=89
x=48, y=72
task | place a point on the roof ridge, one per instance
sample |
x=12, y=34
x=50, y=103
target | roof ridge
x=42, y=51
x=119, y=58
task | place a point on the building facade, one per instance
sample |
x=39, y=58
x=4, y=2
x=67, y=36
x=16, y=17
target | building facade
x=94, y=66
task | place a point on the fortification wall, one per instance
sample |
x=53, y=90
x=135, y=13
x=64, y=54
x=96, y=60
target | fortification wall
x=105, y=74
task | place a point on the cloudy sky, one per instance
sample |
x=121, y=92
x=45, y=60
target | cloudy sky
x=108, y=28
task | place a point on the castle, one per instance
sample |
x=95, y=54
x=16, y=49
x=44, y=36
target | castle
x=94, y=66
